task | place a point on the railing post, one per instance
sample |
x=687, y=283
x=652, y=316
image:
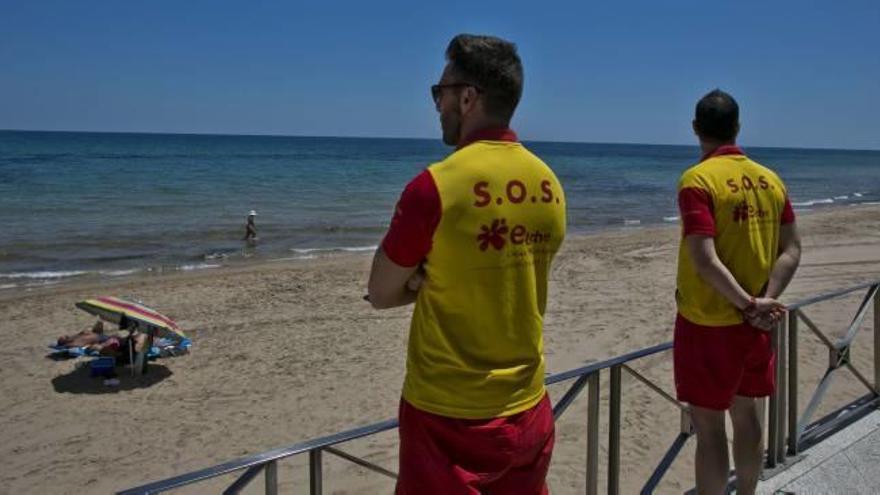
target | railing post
x=614, y=432
x=781, y=388
x=793, y=382
x=877, y=342
x=272, y=478
x=593, y=435
x=772, y=412
x=315, y=476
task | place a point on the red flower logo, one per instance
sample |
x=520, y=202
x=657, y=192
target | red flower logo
x=493, y=235
x=741, y=212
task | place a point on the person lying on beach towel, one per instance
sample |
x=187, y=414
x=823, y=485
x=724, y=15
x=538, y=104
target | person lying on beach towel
x=85, y=338
x=94, y=341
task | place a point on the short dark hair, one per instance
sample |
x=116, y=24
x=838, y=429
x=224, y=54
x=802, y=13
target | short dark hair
x=717, y=116
x=491, y=64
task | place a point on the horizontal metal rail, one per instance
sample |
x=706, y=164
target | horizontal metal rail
x=586, y=377
x=259, y=459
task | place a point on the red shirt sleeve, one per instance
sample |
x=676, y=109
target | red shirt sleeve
x=415, y=219
x=696, y=211
x=787, y=213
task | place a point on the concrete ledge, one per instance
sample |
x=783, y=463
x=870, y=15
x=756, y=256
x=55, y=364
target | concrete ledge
x=845, y=462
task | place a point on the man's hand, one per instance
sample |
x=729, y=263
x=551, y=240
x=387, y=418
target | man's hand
x=416, y=280
x=764, y=313
x=389, y=284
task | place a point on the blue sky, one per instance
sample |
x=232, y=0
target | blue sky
x=805, y=73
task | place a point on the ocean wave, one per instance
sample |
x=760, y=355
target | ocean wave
x=858, y=195
x=671, y=219
x=840, y=197
x=348, y=249
x=632, y=222
x=814, y=202
x=197, y=266
x=41, y=283
x=119, y=273
x=8, y=286
x=871, y=203
x=43, y=274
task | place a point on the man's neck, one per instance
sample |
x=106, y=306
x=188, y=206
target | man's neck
x=709, y=147
x=469, y=128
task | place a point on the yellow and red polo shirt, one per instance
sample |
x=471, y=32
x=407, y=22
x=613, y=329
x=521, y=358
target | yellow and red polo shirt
x=742, y=205
x=485, y=223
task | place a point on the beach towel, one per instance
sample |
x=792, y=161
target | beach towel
x=163, y=347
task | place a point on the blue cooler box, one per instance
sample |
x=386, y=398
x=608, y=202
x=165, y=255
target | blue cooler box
x=103, y=366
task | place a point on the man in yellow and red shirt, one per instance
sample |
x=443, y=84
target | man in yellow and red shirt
x=739, y=251
x=471, y=243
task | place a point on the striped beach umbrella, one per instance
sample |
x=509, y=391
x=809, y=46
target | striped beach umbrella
x=148, y=320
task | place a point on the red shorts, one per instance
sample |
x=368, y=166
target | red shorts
x=453, y=456
x=714, y=364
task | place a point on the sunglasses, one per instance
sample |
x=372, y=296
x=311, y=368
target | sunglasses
x=438, y=88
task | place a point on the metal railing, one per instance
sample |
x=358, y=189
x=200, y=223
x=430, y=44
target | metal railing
x=782, y=406
x=783, y=410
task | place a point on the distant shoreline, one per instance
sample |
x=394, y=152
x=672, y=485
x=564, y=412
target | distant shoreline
x=95, y=280
x=11, y=281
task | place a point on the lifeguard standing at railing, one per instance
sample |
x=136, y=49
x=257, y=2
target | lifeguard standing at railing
x=739, y=250
x=471, y=243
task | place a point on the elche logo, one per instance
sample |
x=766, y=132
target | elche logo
x=742, y=211
x=496, y=235
x=493, y=235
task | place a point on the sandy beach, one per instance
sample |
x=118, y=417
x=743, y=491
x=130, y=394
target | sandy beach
x=287, y=351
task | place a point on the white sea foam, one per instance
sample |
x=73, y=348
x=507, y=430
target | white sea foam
x=198, y=266
x=41, y=283
x=118, y=273
x=858, y=195
x=671, y=219
x=841, y=197
x=871, y=203
x=814, y=202
x=7, y=286
x=632, y=222
x=43, y=274
x=352, y=249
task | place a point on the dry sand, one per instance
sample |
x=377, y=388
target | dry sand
x=288, y=351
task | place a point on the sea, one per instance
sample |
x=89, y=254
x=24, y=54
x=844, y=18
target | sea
x=76, y=205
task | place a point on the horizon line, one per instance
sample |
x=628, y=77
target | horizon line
x=220, y=134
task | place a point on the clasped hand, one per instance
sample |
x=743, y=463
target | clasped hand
x=764, y=313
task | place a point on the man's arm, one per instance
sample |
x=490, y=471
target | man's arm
x=712, y=270
x=787, y=262
x=396, y=276
x=387, y=287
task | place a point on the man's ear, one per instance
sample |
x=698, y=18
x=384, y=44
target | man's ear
x=467, y=99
